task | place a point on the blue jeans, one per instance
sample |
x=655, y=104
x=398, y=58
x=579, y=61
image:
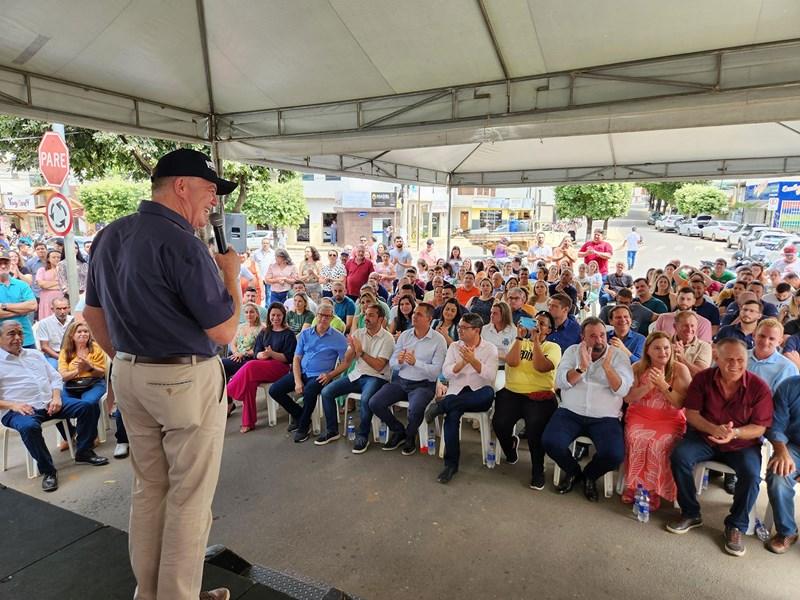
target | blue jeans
x=418, y=394
x=121, y=434
x=631, y=258
x=30, y=429
x=90, y=396
x=693, y=449
x=53, y=361
x=606, y=434
x=278, y=297
x=455, y=405
x=366, y=385
x=279, y=391
x=267, y=289
x=781, y=495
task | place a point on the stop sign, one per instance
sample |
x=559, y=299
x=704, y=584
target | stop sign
x=53, y=159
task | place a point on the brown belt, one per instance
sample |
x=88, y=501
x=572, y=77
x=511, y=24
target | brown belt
x=162, y=360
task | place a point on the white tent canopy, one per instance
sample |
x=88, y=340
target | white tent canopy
x=459, y=92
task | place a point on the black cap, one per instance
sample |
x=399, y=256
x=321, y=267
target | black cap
x=191, y=163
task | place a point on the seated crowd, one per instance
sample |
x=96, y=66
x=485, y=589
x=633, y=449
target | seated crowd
x=679, y=367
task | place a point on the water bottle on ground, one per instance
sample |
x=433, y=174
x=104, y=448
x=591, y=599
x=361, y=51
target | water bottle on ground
x=705, y=479
x=431, y=441
x=644, y=508
x=636, y=497
x=383, y=433
x=761, y=531
x=491, y=456
x=351, y=429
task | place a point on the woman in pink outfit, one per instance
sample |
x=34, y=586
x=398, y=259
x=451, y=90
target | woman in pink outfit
x=47, y=278
x=274, y=351
x=655, y=420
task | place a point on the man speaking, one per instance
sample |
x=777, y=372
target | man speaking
x=156, y=304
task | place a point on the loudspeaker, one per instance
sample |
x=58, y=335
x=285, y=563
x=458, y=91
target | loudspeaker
x=236, y=231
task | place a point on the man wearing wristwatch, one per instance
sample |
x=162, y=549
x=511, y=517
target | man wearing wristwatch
x=593, y=377
x=728, y=409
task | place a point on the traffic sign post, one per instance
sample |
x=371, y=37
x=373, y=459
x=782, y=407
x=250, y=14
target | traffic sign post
x=54, y=165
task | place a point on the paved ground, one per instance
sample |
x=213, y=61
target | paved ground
x=378, y=525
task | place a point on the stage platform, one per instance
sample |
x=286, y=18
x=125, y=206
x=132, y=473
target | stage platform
x=48, y=553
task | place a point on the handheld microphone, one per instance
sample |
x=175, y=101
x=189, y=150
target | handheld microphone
x=217, y=220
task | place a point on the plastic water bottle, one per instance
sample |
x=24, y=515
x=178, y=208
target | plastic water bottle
x=383, y=433
x=351, y=429
x=705, y=479
x=636, y=497
x=644, y=508
x=761, y=531
x=491, y=456
x=431, y=441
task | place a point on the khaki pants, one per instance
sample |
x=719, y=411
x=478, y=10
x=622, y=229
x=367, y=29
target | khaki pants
x=175, y=418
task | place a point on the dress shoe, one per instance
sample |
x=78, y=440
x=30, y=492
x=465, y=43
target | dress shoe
x=217, y=594
x=781, y=543
x=446, y=475
x=433, y=410
x=566, y=487
x=121, y=450
x=88, y=457
x=684, y=524
x=50, y=482
x=581, y=450
x=590, y=490
x=729, y=483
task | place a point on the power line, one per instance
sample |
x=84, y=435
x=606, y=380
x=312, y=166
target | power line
x=35, y=137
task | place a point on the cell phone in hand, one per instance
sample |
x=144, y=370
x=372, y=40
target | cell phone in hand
x=528, y=323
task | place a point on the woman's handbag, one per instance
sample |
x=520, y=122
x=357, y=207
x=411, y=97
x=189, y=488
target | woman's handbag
x=79, y=385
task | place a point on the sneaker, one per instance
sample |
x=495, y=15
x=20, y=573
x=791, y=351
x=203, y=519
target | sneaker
x=326, y=438
x=293, y=425
x=217, y=594
x=396, y=439
x=729, y=483
x=513, y=458
x=361, y=445
x=410, y=446
x=433, y=410
x=684, y=524
x=537, y=481
x=121, y=450
x=734, y=544
x=301, y=436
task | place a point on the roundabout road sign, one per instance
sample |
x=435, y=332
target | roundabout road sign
x=59, y=214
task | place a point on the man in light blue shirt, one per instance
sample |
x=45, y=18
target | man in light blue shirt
x=784, y=468
x=318, y=350
x=16, y=300
x=764, y=359
x=417, y=362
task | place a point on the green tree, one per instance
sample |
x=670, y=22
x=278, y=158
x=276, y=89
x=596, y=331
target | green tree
x=601, y=201
x=274, y=203
x=109, y=199
x=695, y=199
x=662, y=193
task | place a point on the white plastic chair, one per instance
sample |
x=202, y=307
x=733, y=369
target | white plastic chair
x=36, y=335
x=33, y=469
x=608, y=478
x=376, y=422
x=103, y=422
x=273, y=406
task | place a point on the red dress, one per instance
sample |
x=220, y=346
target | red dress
x=652, y=428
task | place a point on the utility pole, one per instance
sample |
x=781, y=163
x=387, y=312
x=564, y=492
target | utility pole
x=69, y=240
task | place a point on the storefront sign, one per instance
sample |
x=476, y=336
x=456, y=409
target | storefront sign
x=384, y=200
x=19, y=202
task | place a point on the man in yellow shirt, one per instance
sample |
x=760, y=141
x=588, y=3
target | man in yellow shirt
x=528, y=393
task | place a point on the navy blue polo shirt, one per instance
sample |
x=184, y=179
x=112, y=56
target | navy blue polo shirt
x=568, y=334
x=709, y=310
x=157, y=285
x=734, y=331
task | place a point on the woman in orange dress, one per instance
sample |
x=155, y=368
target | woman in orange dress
x=655, y=420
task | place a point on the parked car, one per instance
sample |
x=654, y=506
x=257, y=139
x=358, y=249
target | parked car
x=763, y=238
x=669, y=223
x=775, y=251
x=690, y=227
x=718, y=230
x=744, y=231
x=254, y=238
x=654, y=216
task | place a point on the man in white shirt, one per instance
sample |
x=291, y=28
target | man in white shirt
x=789, y=262
x=632, y=242
x=50, y=331
x=593, y=378
x=264, y=257
x=371, y=347
x=471, y=368
x=539, y=251
x=298, y=287
x=30, y=394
